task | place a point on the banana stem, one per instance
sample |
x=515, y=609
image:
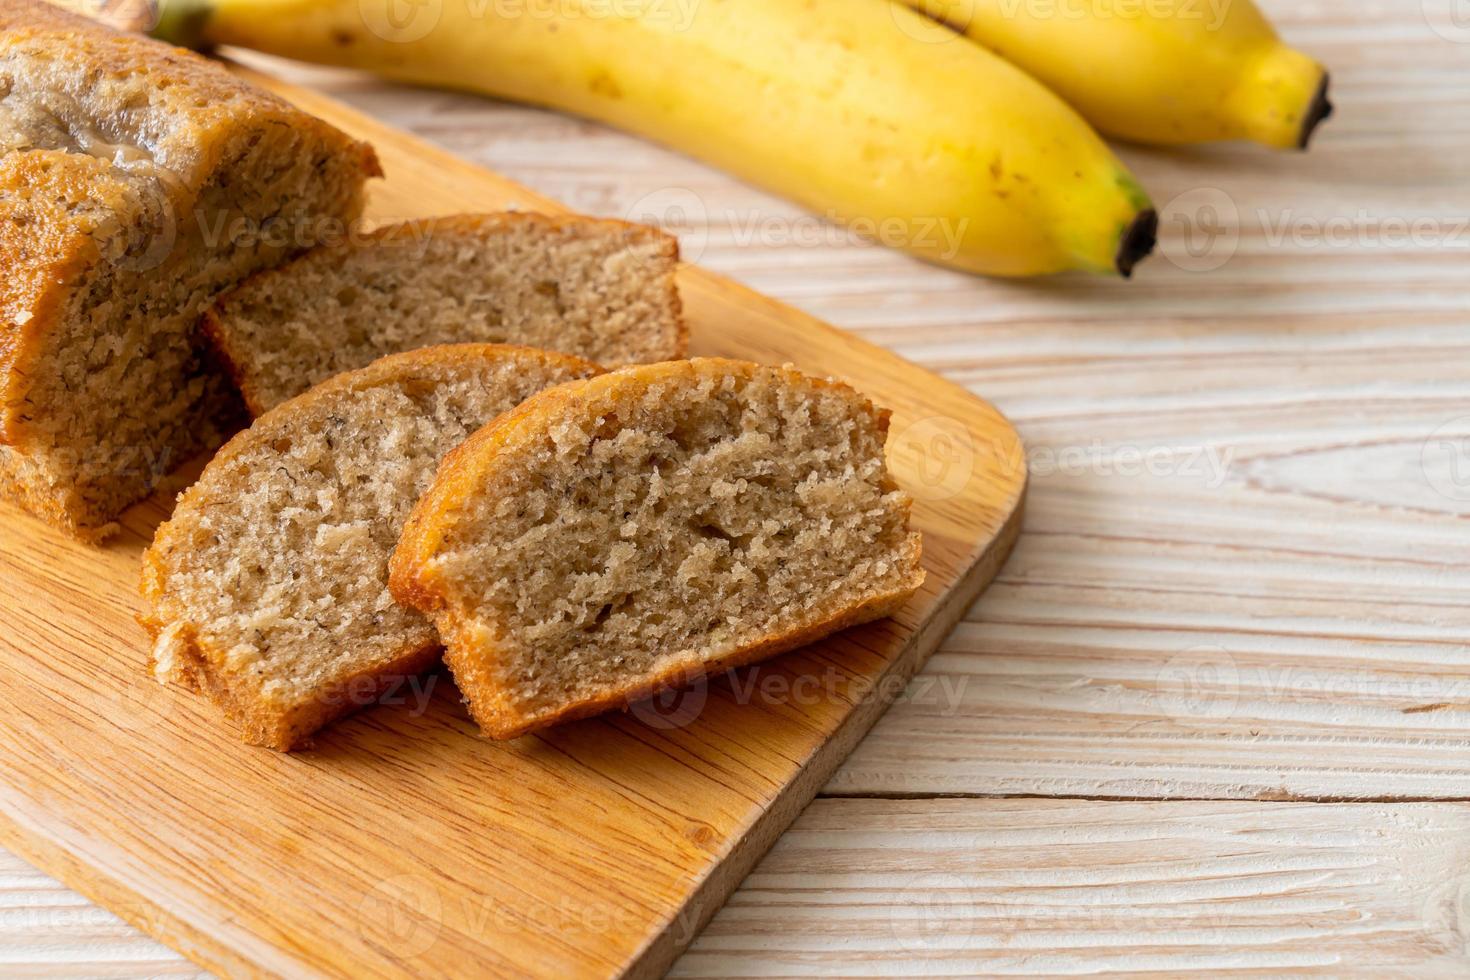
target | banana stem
x=182, y=22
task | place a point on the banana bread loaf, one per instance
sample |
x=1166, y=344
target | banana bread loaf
x=136, y=182
x=268, y=588
x=603, y=290
x=613, y=536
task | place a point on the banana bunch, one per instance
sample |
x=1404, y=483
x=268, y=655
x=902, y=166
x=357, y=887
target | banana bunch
x=870, y=112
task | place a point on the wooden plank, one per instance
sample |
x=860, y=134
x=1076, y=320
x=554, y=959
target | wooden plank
x=961, y=888
x=48, y=930
x=404, y=846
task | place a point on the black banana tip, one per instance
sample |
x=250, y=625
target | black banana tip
x=1138, y=242
x=1317, y=113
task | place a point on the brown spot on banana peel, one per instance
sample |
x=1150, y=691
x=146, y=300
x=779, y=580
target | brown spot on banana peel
x=1137, y=241
x=604, y=84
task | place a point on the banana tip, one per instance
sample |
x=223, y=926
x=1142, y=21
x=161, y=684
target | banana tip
x=1138, y=242
x=1318, y=112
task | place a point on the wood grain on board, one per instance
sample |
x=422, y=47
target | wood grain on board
x=972, y=888
x=402, y=845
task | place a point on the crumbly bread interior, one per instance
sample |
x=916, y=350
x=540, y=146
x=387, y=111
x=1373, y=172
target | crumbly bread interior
x=603, y=290
x=136, y=182
x=628, y=527
x=275, y=563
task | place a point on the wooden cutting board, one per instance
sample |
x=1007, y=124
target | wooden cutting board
x=402, y=844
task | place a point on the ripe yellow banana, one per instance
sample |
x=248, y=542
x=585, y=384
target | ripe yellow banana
x=944, y=150
x=1156, y=71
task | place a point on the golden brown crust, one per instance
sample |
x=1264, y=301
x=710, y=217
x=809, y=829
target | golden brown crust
x=200, y=664
x=414, y=581
x=234, y=361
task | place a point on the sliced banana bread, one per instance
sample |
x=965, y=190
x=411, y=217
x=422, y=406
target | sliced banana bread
x=268, y=587
x=603, y=290
x=612, y=536
x=137, y=181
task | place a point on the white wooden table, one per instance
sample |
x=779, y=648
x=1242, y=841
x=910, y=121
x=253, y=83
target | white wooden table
x=1215, y=713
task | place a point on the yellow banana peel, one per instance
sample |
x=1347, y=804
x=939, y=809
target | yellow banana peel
x=956, y=155
x=1156, y=71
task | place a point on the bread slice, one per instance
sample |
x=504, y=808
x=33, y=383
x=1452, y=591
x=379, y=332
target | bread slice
x=603, y=290
x=137, y=181
x=613, y=536
x=268, y=587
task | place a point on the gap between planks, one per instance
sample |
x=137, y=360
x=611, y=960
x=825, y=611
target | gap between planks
x=901, y=797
